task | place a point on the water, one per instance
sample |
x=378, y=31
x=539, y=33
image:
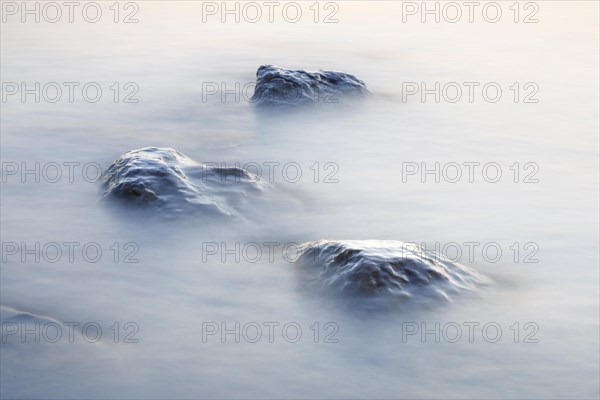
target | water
x=176, y=290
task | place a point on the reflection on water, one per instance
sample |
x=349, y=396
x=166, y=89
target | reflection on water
x=354, y=171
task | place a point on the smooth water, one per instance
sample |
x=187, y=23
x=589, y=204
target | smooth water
x=181, y=288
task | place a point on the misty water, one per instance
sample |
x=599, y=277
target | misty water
x=354, y=157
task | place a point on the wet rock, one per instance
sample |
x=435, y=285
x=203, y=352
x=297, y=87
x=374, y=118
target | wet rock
x=12, y=315
x=14, y=323
x=167, y=180
x=376, y=268
x=284, y=87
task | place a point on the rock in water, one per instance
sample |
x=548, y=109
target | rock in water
x=167, y=180
x=284, y=87
x=374, y=268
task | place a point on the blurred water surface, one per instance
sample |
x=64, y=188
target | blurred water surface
x=169, y=54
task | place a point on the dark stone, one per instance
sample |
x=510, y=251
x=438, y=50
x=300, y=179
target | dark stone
x=384, y=268
x=167, y=180
x=284, y=87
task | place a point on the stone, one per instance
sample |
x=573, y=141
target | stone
x=277, y=86
x=168, y=181
x=384, y=268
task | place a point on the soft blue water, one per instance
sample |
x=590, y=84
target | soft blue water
x=172, y=291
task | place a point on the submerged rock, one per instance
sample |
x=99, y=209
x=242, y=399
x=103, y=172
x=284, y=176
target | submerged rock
x=278, y=86
x=12, y=315
x=167, y=180
x=375, y=268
